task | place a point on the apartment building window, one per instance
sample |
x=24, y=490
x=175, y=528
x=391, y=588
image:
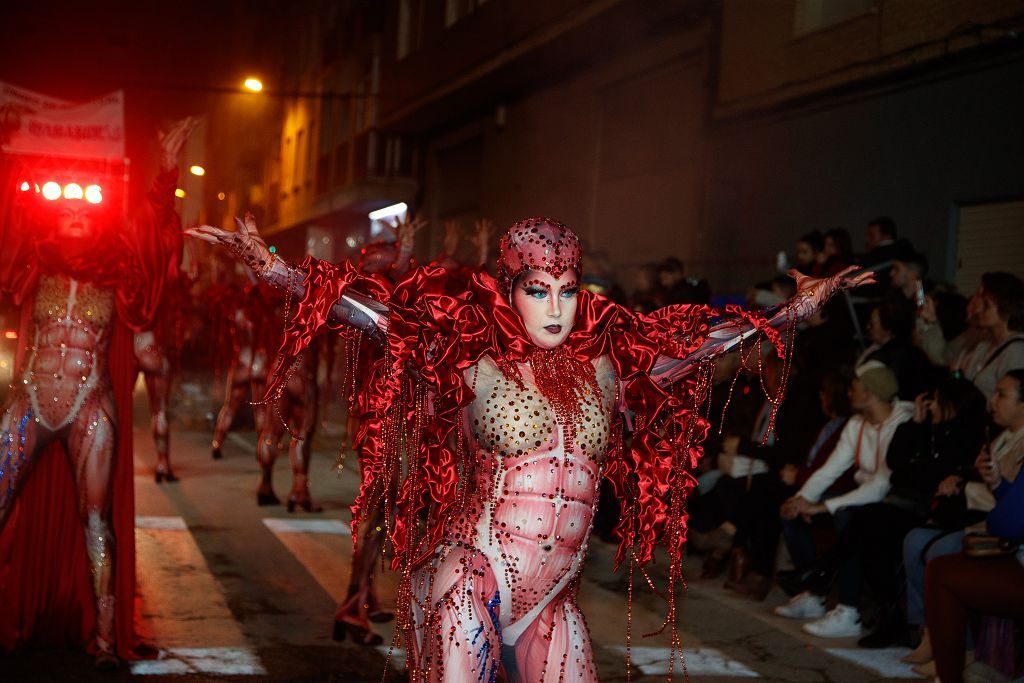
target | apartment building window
x=457, y=9
x=813, y=15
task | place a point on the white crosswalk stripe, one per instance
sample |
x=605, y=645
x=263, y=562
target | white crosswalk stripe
x=886, y=662
x=210, y=642
x=702, y=661
x=227, y=661
x=298, y=526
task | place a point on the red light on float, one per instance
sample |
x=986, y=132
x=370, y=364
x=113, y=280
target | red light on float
x=24, y=186
x=51, y=191
x=73, y=191
x=94, y=194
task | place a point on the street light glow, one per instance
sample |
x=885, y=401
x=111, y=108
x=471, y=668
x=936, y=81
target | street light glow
x=197, y=170
x=253, y=84
x=180, y=193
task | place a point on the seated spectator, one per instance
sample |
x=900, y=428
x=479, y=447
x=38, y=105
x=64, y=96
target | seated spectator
x=792, y=459
x=995, y=342
x=810, y=254
x=957, y=585
x=907, y=276
x=941, y=441
x=768, y=294
x=838, y=251
x=862, y=445
x=944, y=533
x=889, y=331
x=826, y=344
x=880, y=249
x=675, y=288
x=645, y=286
x=713, y=507
x=948, y=310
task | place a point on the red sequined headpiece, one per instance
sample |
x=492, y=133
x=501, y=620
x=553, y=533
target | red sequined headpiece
x=537, y=244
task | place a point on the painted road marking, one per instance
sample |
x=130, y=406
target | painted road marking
x=886, y=661
x=700, y=661
x=397, y=661
x=316, y=526
x=165, y=523
x=182, y=606
x=210, y=660
x=322, y=546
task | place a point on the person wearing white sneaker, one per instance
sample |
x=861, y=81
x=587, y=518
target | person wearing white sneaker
x=806, y=605
x=842, y=621
x=861, y=447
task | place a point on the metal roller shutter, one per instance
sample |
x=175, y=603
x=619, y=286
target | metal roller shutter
x=989, y=237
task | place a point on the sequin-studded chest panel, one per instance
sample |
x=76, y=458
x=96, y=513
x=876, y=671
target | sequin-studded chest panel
x=71, y=331
x=86, y=305
x=510, y=422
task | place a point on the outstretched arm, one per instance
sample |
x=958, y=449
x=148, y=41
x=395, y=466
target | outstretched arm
x=247, y=245
x=812, y=293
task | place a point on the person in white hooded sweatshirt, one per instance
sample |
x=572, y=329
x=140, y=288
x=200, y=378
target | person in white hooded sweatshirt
x=862, y=445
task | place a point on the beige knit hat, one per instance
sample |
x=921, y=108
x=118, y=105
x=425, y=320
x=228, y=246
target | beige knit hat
x=878, y=379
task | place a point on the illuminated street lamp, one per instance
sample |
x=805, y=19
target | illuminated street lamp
x=253, y=84
x=179, y=193
x=197, y=170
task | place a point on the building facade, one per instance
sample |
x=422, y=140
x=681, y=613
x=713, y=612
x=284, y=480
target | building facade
x=713, y=131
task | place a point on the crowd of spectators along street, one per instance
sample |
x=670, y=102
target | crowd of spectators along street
x=902, y=431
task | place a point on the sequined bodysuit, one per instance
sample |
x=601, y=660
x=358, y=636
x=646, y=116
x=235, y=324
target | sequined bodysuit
x=64, y=394
x=71, y=334
x=524, y=533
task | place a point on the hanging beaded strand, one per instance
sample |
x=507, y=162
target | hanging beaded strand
x=291, y=281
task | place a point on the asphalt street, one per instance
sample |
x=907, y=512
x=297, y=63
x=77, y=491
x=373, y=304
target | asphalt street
x=231, y=591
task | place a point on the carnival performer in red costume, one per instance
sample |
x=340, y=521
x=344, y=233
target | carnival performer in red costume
x=497, y=412
x=87, y=281
x=355, y=616
x=158, y=354
x=247, y=368
x=297, y=405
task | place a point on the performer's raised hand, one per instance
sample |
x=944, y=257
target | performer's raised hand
x=244, y=243
x=816, y=291
x=405, y=230
x=174, y=139
x=482, y=239
x=451, y=238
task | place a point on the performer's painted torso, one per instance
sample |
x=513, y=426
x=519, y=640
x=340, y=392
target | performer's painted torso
x=71, y=322
x=530, y=514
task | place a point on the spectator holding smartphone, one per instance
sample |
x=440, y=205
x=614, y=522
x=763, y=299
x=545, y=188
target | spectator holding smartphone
x=957, y=585
x=998, y=464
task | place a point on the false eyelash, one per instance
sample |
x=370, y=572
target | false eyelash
x=531, y=290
